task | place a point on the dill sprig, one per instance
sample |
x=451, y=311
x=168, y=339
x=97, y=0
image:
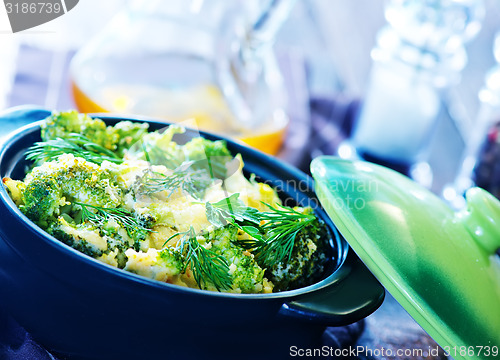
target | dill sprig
x=272, y=232
x=75, y=144
x=206, y=265
x=229, y=210
x=193, y=182
x=99, y=216
x=281, y=226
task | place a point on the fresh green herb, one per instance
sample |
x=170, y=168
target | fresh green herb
x=281, y=226
x=75, y=144
x=273, y=232
x=146, y=153
x=231, y=210
x=206, y=265
x=194, y=182
x=99, y=216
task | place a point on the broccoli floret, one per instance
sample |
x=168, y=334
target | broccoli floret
x=164, y=265
x=147, y=219
x=70, y=187
x=308, y=260
x=81, y=237
x=14, y=189
x=159, y=149
x=53, y=185
x=41, y=200
x=211, y=156
x=247, y=275
x=92, y=240
x=170, y=258
x=128, y=133
x=61, y=124
x=116, y=138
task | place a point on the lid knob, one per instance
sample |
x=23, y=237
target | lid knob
x=482, y=218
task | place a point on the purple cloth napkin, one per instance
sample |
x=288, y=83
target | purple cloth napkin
x=331, y=122
x=17, y=344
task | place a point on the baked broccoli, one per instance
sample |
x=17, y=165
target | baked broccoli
x=51, y=188
x=308, y=260
x=158, y=148
x=162, y=265
x=116, y=138
x=80, y=203
x=41, y=200
x=82, y=237
x=15, y=189
x=61, y=124
x=108, y=240
x=247, y=276
x=108, y=195
x=211, y=156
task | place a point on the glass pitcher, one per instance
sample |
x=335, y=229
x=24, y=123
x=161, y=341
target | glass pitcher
x=207, y=60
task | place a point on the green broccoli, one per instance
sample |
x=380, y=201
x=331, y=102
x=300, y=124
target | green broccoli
x=165, y=265
x=246, y=274
x=80, y=203
x=80, y=237
x=128, y=133
x=211, y=156
x=41, y=200
x=61, y=124
x=116, y=138
x=53, y=185
x=308, y=258
x=92, y=240
x=171, y=259
x=159, y=148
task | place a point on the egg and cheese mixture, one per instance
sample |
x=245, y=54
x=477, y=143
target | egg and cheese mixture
x=183, y=214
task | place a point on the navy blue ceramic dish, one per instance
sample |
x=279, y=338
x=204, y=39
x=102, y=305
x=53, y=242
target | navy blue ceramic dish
x=85, y=309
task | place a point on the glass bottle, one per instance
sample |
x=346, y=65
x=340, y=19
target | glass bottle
x=481, y=159
x=418, y=55
x=207, y=60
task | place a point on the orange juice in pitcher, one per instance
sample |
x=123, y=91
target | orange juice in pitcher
x=208, y=60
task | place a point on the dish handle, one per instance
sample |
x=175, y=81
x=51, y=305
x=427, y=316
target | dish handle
x=354, y=297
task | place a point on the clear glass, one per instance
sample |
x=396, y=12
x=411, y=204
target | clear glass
x=433, y=24
x=207, y=60
x=481, y=158
x=419, y=54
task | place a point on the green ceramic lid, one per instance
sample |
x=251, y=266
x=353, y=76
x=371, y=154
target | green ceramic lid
x=440, y=265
